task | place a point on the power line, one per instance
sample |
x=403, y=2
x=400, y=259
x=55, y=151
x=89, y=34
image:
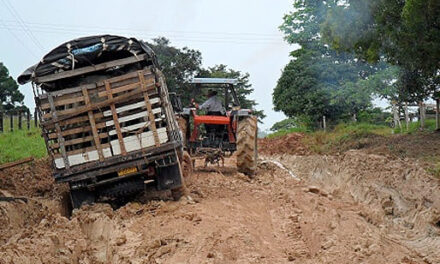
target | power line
x=28, y=32
x=18, y=39
x=158, y=32
x=51, y=28
x=218, y=39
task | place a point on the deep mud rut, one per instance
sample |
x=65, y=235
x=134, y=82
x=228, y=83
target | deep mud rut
x=353, y=208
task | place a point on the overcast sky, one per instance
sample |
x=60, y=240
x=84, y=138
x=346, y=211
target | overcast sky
x=241, y=34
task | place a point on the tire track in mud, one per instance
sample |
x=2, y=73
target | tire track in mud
x=339, y=211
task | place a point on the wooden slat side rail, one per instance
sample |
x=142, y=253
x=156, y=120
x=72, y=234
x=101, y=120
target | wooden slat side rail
x=150, y=109
x=75, y=120
x=78, y=141
x=99, y=105
x=124, y=88
x=67, y=101
x=115, y=119
x=59, y=135
x=115, y=81
x=83, y=150
x=93, y=126
x=84, y=70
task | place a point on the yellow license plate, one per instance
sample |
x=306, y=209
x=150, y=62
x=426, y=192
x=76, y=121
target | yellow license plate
x=127, y=171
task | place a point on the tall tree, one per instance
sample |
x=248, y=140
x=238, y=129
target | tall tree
x=10, y=96
x=317, y=86
x=404, y=33
x=318, y=81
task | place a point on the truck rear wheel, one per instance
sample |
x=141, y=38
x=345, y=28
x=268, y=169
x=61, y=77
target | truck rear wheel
x=247, y=146
x=80, y=197
x=123, y=189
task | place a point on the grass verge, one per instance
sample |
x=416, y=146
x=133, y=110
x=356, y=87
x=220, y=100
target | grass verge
x=21, y=144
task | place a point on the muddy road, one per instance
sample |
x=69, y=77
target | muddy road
x=350, y=208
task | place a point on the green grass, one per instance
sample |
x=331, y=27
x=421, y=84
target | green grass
x=288, y=131
x=345, y=136
x=21, y=144
x=415, y=127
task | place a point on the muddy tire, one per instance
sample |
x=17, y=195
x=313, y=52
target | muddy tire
x=123, y=189
x=80, y=197
x=177, y=193
x=247, y=146
x=186, y=165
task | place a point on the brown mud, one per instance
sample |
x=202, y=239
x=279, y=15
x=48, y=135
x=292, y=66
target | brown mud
x=350, y=208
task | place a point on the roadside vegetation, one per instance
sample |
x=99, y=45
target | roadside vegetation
x=21, y=144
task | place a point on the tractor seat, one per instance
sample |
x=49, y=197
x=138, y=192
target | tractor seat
x=211, y=120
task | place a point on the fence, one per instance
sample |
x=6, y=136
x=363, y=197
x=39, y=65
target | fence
x=21, y=116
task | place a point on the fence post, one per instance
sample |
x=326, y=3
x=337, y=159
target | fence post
x=28, y=119
x=11, y=116
x=36, y=117
x=20, y=119
x=324, y=123
x=1, y=122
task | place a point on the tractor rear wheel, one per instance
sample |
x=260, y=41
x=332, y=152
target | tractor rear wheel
x=247, y=146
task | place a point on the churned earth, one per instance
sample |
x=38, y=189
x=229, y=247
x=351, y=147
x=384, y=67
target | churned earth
x=353, y=207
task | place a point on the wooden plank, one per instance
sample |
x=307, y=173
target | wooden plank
x=99, y=105
x=57, y=102
x=83, y=157
x=59, y=135
x=115, y=81
x=121, y=89
x=78, y=141
x=135, y=116
x=74, y=120
x=83, y=150
x=139, y=141
x=124, y=108
x=93, y=126
x=150, y=110
x=15, y=163
x=71, y=132
x=84, y=70
x=115, y=119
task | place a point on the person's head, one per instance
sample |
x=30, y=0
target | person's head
x=211, y=93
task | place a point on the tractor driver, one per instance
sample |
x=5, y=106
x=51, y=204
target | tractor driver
x=213, y=105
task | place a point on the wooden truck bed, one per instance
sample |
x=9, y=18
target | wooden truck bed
x=99, y=120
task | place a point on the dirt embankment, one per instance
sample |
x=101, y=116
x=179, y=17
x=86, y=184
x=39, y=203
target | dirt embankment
x=351, y=208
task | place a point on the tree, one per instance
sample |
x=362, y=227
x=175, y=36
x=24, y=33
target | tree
x=285, y=124
x=315, y=86
x=178, y=66
x=10, y=96
x=403, y=33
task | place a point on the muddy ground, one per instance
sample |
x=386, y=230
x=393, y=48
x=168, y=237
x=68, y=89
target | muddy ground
x=354, y=207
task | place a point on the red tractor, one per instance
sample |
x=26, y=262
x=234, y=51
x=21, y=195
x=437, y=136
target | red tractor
x=217, y=136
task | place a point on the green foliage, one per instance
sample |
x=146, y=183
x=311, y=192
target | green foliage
x=404, y=33
x=21, y=144
x=284, y=132
x=9, y=93
x=414, y=127
x=285, y=124
x=374, y=116
x=315, y=85
x=345, y=136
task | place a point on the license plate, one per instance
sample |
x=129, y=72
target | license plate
x=127, y=171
